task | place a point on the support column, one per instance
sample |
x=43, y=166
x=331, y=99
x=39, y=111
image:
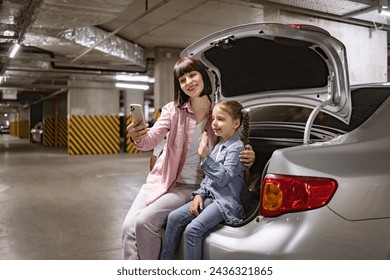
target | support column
x=165, y=59
x=93, y=117
x=24, y=123
x=13, y=122
x=55, y=123
x=134, y=96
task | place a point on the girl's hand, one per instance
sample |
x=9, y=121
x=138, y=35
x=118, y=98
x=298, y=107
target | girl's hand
x=247, y=157
x=202, y=150
x=137, y=131
x=196, y=206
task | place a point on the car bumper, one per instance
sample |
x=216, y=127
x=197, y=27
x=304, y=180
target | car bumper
x=315, y=234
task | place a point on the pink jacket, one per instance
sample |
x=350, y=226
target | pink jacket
x=180, y=123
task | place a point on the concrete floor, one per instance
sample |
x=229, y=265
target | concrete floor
x=57, y=206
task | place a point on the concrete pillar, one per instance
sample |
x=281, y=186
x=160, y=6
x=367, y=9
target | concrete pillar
x=24, y=123
x=13, y=122
x=165, y=59
x=55, y=123
x=93, y=117
x=133, y=96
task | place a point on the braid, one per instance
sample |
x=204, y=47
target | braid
x=245, y=138
x=245, y=127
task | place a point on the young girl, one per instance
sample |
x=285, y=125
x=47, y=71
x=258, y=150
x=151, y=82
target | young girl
x=218, y=198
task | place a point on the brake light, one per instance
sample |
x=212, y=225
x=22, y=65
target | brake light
x=308, y=27
x=284, y=193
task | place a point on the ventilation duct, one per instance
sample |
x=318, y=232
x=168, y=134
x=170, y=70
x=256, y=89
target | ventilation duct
x=67, y=28
x=113, y=46
x=64, y=14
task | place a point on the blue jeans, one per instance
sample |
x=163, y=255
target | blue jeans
x=195, y=229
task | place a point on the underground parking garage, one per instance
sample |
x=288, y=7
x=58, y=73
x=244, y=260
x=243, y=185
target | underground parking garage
x=69, y=72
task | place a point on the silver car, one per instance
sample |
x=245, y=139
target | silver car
x=37, y=133
x=321, y=180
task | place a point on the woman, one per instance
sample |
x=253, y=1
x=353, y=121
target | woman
x=176, y=173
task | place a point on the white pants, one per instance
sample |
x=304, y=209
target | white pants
x=141, y=237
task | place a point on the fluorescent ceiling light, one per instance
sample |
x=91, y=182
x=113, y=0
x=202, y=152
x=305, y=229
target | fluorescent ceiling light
x=135, y=78
x=10, y=94
x=134, y=86
x=14, y=50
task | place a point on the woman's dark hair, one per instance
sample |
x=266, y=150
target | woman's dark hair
x=186, y=65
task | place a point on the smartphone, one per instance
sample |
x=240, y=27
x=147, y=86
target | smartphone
x=137, y=113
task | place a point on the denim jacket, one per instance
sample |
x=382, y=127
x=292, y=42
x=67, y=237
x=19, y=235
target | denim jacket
x=225, y=178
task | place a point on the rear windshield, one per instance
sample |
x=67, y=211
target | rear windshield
x=365, y=102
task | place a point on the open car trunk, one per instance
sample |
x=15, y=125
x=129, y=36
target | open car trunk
x=268, y=65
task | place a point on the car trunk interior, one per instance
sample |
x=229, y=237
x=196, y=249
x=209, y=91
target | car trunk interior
x=254, y=65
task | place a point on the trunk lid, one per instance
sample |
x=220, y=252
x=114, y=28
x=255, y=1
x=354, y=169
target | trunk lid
x=262, y=64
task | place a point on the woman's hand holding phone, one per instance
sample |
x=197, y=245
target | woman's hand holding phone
x=137, y=129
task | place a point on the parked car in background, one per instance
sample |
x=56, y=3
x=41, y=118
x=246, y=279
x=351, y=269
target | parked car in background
x=37, y=133
x=4, y=129
x=322, y=182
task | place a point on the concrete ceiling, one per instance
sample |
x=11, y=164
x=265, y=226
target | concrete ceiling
x=99, y=38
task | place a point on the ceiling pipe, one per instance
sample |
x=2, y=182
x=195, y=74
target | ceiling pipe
x=29, y=13
x=360, y=12
x=146, y=12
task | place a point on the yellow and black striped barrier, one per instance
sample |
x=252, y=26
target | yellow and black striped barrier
x=24, y=129
x=13, y=130
x=49, y=132
x=91, y=135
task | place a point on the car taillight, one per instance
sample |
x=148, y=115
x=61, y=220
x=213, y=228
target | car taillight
x=310, y=28
x=284, y=193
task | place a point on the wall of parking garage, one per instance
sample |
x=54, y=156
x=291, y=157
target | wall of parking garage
x=366, y=47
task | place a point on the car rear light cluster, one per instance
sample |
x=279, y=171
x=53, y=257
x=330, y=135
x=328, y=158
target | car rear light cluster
x=284, y=193
x=310, y=28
